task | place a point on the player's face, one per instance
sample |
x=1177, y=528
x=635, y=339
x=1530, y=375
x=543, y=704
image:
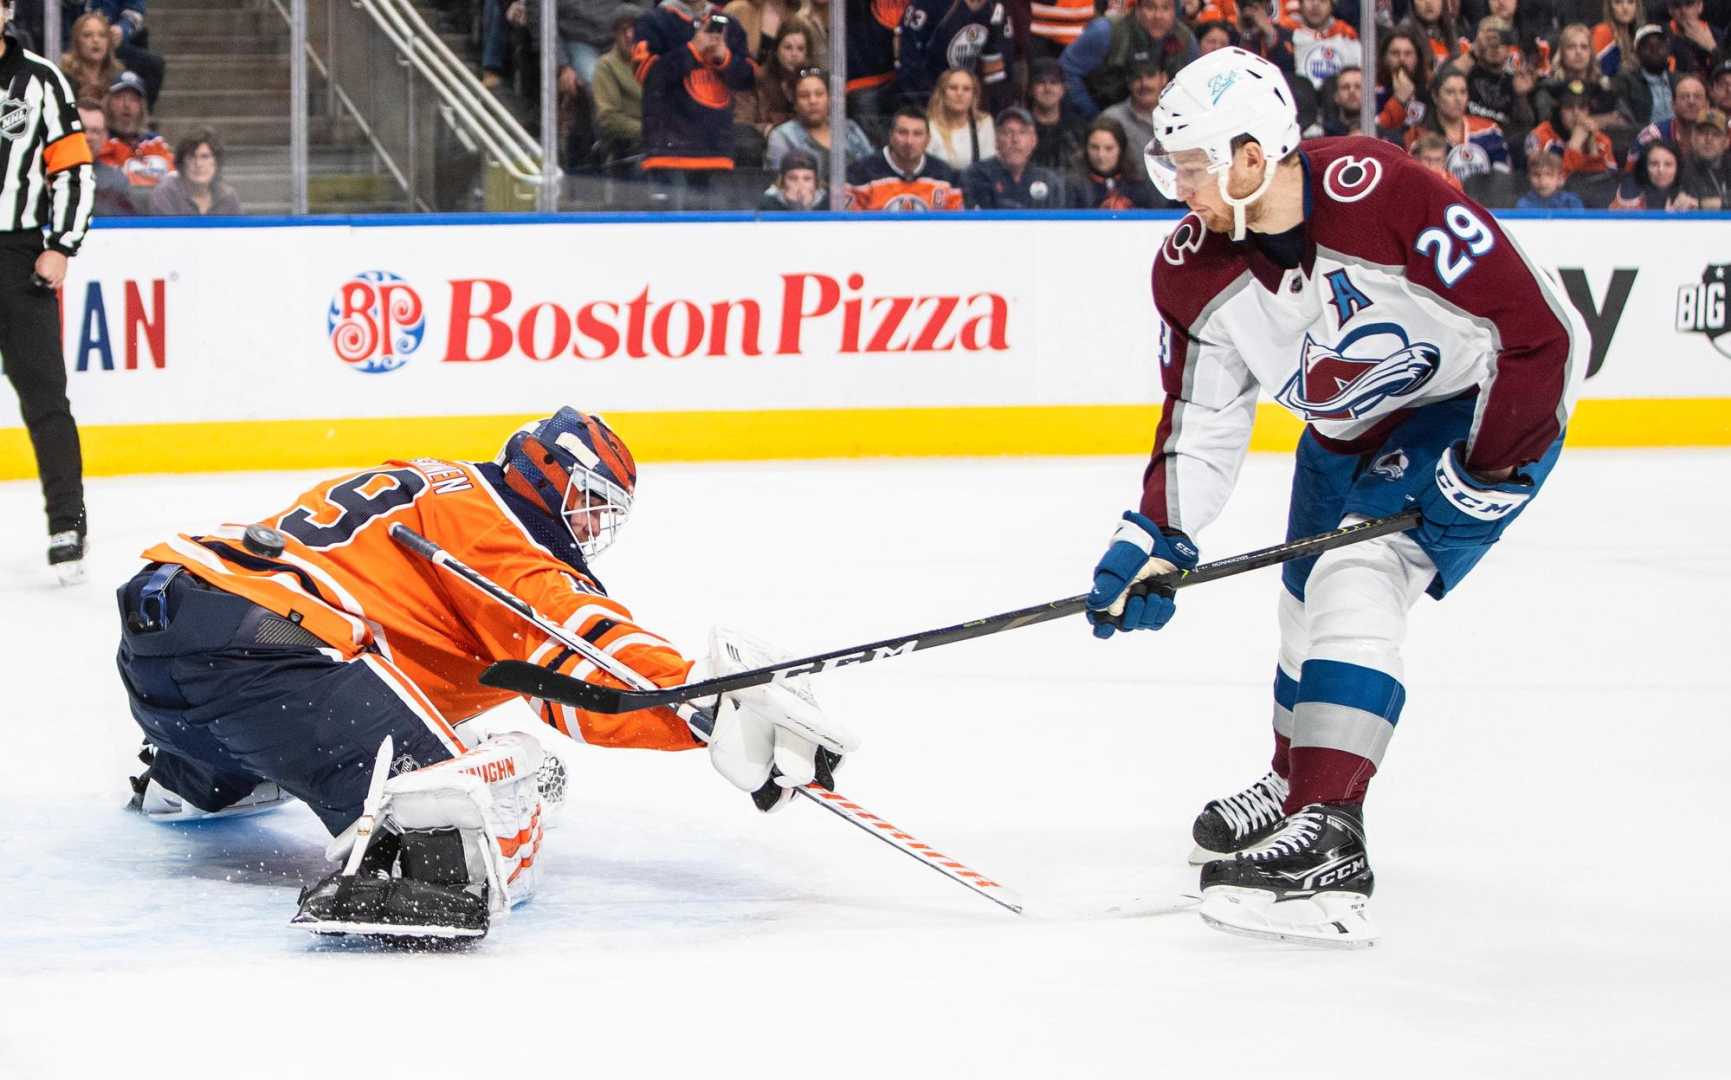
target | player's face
x=1199, y=189
x=1102, y=153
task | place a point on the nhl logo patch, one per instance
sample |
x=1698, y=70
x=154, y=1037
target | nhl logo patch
x=14, y=118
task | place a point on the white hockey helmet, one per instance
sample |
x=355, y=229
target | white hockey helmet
x=1211, y=101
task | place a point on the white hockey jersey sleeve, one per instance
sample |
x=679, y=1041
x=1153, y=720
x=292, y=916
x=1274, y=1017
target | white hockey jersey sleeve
x=1204, y=429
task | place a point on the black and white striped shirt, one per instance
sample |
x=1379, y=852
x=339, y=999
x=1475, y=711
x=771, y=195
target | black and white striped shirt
x=46, y=181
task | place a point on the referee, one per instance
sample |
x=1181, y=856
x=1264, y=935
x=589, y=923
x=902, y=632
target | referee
x=46, y=191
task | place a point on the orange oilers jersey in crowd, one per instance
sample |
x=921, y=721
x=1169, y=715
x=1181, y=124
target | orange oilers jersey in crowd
x=343, y=578
x=146, y=163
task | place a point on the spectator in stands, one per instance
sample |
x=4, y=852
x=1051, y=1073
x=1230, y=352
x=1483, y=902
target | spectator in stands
x=690, y=72
x=809, y=130
x=1707, y=172
x=1695, y=46
x=132, y=147
x=495, y=43
x=962, y=132
x=1688, y=102
x=1402, y=83
x=1009, y=180
x=585, y=29
x=1493, y=91
x=1614, y=36
x=1098, y=65
x=1135, y=114
x=1322, y=44
x=1433, y=23
x=1432, y=151
x=763, y=21
x=1571, y=136
x=904, y=177
x=872, y=30
x=114, y=194
x=1575, y=64
x=1260, y=34
x=938, y=35
x=1342, y=102
x=1101, y=181
x=1055, y=25
x=1644, y=91
x=1058, y=128
x=195, y=188
x=1212, y=34
x=1476, y=144
x=1545, y=177
x=618, y=94
x=127, y=31
x=1653, y=184
x=796, y=185
x=815, y=16
x=771, y=104
x=1719, y=89
x=89, y=63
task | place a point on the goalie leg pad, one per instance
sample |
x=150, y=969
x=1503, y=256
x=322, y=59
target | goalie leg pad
x=475, y=819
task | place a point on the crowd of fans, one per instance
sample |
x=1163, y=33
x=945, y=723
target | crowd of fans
x=115, y=78
x=1048, y=103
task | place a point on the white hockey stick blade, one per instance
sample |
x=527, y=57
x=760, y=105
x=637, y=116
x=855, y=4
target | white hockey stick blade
x=850, y=811
x=1143, y=907
x=1328, y=920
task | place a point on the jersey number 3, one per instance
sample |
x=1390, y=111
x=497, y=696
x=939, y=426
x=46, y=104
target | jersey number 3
x=361, y=499
x=1463, y=225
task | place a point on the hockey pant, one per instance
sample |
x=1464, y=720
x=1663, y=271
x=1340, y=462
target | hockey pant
x=231, y=694
x=1338, y=689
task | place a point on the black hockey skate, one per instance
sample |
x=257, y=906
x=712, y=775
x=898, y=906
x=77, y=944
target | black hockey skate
x=428, y=905
x=1230, y=825
x=66, y=556
x=1309, y=881
x=156, y=802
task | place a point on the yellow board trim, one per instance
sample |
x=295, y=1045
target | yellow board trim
x=119, y=449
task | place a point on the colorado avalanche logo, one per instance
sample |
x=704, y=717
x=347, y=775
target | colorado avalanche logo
x=1331, y=385
x=376, y=321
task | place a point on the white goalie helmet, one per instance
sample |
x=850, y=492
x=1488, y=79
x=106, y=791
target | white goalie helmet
x=1211, y=101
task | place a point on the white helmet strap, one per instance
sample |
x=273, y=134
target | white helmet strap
x=1269, y=166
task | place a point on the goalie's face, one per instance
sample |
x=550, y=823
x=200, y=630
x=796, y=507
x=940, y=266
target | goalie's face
x=595, y=510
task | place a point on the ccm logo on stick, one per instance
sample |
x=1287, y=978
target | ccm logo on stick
x=882, y=652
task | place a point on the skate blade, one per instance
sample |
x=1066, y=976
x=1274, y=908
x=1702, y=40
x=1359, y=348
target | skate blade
x=383, y=931
x=1328, y=920
x=71, y=573
x=1200, y=855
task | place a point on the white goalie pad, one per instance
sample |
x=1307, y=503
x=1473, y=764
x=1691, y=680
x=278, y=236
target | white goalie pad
x=491, y=797
x=776, y=725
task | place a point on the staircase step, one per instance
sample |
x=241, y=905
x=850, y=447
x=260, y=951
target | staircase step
x=250, y=45
x=160, y=7
x=255, y=130
x=167, y=28
x=182, y=104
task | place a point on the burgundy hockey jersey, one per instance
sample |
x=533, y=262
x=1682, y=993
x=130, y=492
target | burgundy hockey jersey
x=1408, y=293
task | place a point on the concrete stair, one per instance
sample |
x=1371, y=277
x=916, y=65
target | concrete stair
x=228, y=69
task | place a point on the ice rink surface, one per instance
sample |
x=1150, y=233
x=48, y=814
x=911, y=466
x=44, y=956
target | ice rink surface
x=1546, y=831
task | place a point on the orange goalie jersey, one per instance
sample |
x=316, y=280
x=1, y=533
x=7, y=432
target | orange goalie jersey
x=341, y=577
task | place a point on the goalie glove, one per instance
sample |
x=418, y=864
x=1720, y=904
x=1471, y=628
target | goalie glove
x=770, y=739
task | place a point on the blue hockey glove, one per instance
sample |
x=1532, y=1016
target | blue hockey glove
x=1461, y=512
x=1139, y=550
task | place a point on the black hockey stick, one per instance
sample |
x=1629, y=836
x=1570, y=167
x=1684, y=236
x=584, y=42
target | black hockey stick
x=531, y=679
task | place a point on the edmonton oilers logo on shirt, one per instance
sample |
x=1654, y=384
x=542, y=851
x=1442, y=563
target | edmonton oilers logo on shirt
x=376, y=321
x=966, y=46
x=1701, y=307
x=1332, y=385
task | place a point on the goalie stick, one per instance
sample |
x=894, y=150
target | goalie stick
x=702, y=723
x=537, y=681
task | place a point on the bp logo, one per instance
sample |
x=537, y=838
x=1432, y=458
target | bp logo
x=14, y=119
x=1701, y=307
x=376, y=321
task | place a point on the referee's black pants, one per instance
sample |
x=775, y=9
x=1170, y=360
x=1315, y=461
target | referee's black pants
x=30, y=349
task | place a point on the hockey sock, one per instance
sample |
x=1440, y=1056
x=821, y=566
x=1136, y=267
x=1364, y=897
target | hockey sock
x=1342, y=722
x=1285, y=697
x=1282, y=763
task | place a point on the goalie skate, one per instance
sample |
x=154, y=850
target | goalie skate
x=158, y=803
x=1309, y=882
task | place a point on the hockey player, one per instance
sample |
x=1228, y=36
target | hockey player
x=274, y=660
x=1435, y=368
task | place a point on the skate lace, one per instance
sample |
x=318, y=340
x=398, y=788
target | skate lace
x=1297, y=834
x=1257, y=806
